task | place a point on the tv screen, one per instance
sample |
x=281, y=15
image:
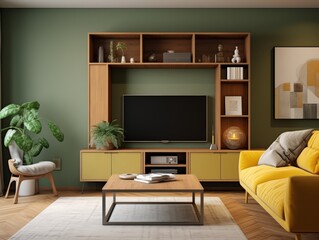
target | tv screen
x=165, y=118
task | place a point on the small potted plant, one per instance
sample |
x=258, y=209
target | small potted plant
x=122, y=47
x=107, y=135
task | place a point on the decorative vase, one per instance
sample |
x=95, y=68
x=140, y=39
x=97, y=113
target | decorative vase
x=101, y=54
x=27, y=188
x=112, y=57
x=123, y=60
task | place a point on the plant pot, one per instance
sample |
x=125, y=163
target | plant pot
x=110, y=147
x=27, y=188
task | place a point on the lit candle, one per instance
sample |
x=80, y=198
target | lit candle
x=234, y=137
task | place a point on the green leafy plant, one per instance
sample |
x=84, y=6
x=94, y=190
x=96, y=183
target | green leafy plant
x=24, y=127
x=105, y=134
x=122, y=47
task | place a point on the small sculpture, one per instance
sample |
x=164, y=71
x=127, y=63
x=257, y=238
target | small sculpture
x=236, y=57
x=219, y=56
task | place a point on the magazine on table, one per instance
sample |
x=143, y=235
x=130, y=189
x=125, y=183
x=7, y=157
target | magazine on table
x=155, y=177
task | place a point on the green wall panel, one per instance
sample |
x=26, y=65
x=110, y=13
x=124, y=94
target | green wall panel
x=164, y=82
x=44, y=58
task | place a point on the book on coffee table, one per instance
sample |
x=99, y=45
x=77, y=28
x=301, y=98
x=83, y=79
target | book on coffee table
x=154, y=177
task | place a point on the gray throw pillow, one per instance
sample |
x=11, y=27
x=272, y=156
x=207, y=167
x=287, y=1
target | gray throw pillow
x=286, y=148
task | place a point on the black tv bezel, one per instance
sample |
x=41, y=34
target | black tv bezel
x=169, y=141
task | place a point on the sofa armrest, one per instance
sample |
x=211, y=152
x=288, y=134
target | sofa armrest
x=249, y=158
x=301, y=204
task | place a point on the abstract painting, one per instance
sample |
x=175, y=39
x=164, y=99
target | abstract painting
x=296, y=82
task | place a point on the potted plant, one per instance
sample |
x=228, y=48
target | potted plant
x=122, y=47
x=24, y=128
x=22, y=137
x=107, y=135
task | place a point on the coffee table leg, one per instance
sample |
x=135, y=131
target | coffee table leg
x=202, y=207
x=103, y=207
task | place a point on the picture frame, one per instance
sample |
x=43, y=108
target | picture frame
x=296, y=82
x=233, y=105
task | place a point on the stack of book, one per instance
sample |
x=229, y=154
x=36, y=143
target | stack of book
x=235, y=73
x=155, y=177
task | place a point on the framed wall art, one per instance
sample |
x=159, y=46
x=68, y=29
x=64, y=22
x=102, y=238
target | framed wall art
x=233, y=105
x=296, y=82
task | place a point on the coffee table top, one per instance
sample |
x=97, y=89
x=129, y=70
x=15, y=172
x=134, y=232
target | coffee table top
x=183, y=183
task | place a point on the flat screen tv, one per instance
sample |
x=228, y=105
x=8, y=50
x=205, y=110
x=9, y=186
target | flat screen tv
x=165, y=118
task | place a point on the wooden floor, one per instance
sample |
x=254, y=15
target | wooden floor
x=252, y=219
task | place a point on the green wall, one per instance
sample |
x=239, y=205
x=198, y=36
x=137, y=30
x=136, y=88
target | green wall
x=164, y=81
x=45, y=58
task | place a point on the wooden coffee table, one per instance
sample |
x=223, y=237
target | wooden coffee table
x=183, y=183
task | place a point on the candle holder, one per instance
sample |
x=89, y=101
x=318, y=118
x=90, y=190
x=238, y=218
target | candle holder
x=234, y=137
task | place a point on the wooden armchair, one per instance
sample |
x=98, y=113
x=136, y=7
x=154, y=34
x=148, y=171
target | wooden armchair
x=34, y=171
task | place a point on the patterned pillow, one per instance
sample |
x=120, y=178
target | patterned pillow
x=286, y=148
x=309, y=157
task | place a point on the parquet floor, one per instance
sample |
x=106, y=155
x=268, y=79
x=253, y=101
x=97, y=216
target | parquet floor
x=252, y=219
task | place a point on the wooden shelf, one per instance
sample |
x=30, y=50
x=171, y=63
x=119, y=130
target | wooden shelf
x=201, y=45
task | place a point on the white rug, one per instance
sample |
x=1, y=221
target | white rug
x=81, y=218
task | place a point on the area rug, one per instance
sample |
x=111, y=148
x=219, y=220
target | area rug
x=81, y=218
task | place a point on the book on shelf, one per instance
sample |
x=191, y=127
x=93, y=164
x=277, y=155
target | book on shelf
x=155, y=177
x=235, y=73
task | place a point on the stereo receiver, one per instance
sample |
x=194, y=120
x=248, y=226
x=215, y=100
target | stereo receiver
x=164, y=160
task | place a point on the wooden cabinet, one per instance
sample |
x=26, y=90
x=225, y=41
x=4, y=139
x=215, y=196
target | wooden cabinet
x=147, y=50
x=126, y=163
x=98, y=165
x=229, y=166
x=214, y=166
x=206, y=166
x=95, y=166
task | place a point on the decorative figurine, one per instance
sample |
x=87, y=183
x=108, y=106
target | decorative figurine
x=236, y=57
x=219, y=56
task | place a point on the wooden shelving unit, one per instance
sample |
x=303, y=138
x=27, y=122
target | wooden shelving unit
x=141, y=46
x=202, y=46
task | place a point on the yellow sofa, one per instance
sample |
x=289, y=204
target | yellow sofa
x=290, y=194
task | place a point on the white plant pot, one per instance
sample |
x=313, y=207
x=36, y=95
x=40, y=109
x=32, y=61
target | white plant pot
x=27, y=188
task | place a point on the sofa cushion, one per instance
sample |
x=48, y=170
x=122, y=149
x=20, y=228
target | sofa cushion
x=286, y=148
x=256, y=175
x=309, y=157
x=272, y=193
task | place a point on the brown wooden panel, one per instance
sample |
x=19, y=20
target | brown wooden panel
x=98, y=94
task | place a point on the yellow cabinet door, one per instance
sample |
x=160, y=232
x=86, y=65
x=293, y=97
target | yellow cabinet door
x=206, y=166
x=229, y=166
x=126, y=163
x=95, y=166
